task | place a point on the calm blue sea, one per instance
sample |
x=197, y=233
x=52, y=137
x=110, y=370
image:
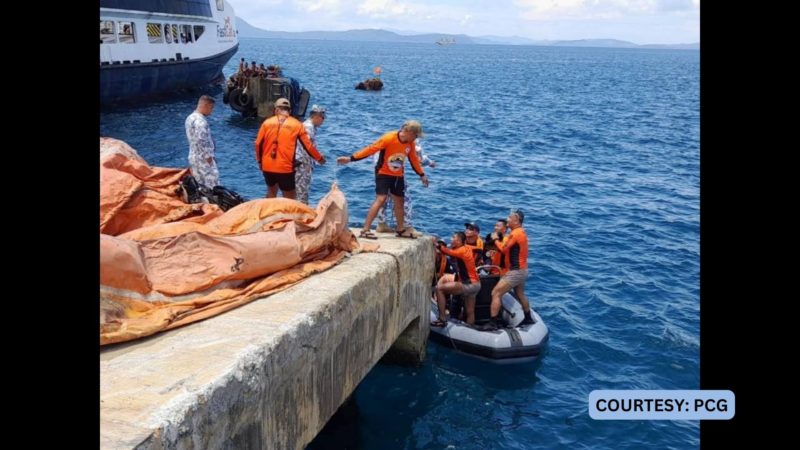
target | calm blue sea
x=599, y=147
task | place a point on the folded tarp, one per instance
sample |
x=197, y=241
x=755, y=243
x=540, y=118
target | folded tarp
x=163, y=269
x=134, y=195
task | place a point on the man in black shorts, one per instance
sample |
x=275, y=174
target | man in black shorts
x=394, y=147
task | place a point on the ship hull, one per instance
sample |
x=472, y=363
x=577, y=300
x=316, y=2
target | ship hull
x=132, y=81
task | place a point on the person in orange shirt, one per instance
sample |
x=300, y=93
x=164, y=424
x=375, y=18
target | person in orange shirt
x=515, y=251
x=275, y=149
x=471, y=231
x=394, y=148
x=492, y=239
x=468, y=283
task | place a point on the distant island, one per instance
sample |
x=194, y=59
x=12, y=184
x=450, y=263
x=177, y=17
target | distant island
x=375, y=35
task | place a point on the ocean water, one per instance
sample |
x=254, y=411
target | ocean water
x=599, y=147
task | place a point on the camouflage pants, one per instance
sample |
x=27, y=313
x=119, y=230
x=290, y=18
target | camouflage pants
x=302, y=182
x=389, y=206
x=205, y=173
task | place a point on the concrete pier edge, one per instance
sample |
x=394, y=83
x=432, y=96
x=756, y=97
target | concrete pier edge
x=271, y=373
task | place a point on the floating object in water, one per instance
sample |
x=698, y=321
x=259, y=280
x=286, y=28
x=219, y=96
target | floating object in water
x=372, y=84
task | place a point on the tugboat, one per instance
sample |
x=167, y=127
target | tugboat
x=157, y=47
x=255, y=95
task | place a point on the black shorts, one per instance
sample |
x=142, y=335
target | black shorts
x=385, y=184
x=285, y=181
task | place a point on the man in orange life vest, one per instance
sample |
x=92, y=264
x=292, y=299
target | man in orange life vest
x=394, y=148
x=275, y=149
x=471, y=230
x=492, y=252
x=515, y=250
x=468, y=284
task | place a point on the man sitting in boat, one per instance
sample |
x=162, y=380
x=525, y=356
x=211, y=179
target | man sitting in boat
x=474, y=241
x=239, y=79
x=249, y=71
x=441, y=267
x=469, y=284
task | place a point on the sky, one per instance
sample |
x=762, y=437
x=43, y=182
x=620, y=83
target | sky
x=637, y=21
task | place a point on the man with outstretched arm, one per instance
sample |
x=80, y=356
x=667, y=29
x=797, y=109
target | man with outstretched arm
x=394, y=147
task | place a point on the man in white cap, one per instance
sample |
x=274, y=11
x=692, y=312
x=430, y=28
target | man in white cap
x=304, y=163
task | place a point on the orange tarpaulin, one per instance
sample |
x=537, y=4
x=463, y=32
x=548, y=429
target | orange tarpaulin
x=164, y=264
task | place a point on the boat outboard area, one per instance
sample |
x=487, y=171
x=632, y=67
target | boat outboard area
x=252, y=92
x=510, y=344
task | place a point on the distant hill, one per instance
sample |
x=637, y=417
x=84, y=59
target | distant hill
x=375, y=35
x=695, y=46
x=248, y=31
x=508, y=40
x=614, y=43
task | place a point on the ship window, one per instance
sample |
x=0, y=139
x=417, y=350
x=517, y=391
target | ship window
x=186, y=34
x=154, y=33
x=167, y=34
x=107, y=33
x=220, y=5
x=126, y=34
x=174, y=33
x=198, y=31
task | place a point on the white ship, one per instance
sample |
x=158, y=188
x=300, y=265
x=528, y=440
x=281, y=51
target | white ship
x=157, y=46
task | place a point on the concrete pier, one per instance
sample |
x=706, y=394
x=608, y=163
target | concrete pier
x=270, y=374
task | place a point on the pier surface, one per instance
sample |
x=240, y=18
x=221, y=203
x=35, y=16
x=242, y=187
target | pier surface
x=269, y=375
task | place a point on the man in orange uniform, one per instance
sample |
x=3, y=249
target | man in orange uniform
x=275, y=149
x=496, y=236
x=471, y=230
x=515, y=250
x=394, y=148
x=468, y=285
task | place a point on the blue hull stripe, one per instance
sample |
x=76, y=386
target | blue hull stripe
x=128, y=81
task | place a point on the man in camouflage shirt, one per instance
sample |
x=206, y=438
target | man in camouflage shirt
x=305, y=164
x=201, y=146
